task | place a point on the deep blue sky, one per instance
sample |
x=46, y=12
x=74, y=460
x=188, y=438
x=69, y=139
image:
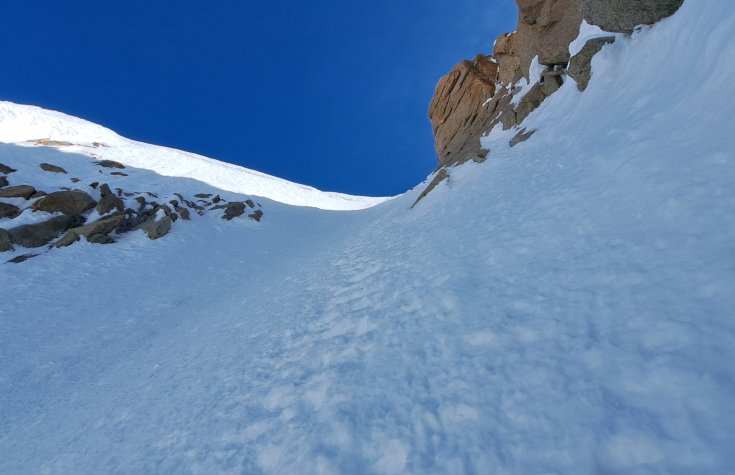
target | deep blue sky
x=330, y=93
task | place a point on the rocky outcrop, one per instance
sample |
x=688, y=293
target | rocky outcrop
x=17, y=191
x=67, y=202
x=458, y=112
x=477, y=95
x=624, y=15
x=580, y=66
x=155, y=229
x=110, y=164
x=109, y=201
x=97, y=232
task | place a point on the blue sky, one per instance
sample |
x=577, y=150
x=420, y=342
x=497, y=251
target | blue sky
x=329, y=93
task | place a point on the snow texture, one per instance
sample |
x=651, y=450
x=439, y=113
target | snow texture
x=566, y=307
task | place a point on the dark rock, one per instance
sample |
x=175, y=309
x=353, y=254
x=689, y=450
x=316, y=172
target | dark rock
x=624, y=15
x=23, y=258
x=52, y=168
x=17, y=191
x=233, y=210
x=256, y=215
x=216, y=199
x=6, y=169
x=36, y=235
x=156, y=229
x=74, y=180
x=580, y=66
x=8, y=211
x=521, y=136
x=250, y=203
x=94, y=232
x=110, y=164
x=3, y=181
x=185, y=215
x=118, y=174
x=109, y=201
x=6, y=243
x=438, y=178
x=38, y=194
x=203, y=195
x=67, y=202
x=151, y=195
x=94, y=185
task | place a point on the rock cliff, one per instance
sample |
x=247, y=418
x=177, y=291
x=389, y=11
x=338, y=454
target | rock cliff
x=477, y=95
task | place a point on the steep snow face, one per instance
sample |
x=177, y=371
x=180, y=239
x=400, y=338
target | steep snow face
x=20, y=124
x=564, y=307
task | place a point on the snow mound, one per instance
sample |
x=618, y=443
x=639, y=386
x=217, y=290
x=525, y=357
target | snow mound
x=23, y=124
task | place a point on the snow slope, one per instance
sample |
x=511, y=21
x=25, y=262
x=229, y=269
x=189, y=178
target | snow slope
x=566, y=307
x=20, y=124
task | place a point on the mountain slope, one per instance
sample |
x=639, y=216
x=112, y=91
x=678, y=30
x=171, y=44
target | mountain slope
x=23, y=124
x=564, y=307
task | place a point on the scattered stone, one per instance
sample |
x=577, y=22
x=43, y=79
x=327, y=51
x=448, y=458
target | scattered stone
x=50, y=143
x=6, y=170
x=233, y=210
x=521, y=136
x=67, y=202
x=94, y=185
x=17, y=191
x=8, y=211
x=250, y=203
x=75, y=180
x=110, y=164
x=580, y=66
x=183, y=212
x=37, y=235
x=109, y=201
x=256, y=215
x=5, y=242
x=99, y=144
x=216, y=199
x=157, y=229
x=23, y=258
x=52, y=168
x=3, y=181
x=151, y=195
x=96, y=232
x=203, y=195
x=118, y=174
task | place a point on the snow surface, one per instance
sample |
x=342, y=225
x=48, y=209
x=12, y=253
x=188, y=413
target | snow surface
x=566, y=307
x=20, y=124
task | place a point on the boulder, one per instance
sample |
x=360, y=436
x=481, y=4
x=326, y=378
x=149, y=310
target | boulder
x=109, y=201
x=256, y=215
x=6, y=170
x=624, y=15
x=36, y=235
x=8, y=211
x=52, y=168
x=38, y=194
x=110, y=164
x=580, y=66
x=17, y=191
x=233, y=210
x=67, y=202
x=94, y=232
x=6, y=243
x=156, y=229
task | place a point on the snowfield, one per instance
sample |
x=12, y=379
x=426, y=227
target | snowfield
x=566, y=307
